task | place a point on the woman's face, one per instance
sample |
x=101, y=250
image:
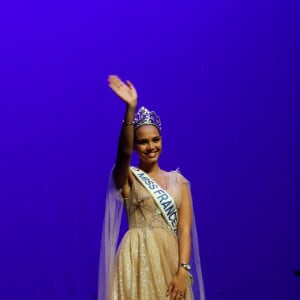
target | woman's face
x=148, y=143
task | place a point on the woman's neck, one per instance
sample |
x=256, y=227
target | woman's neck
x=151, y=170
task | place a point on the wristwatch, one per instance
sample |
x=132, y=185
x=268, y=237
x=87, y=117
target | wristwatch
x=187, y=266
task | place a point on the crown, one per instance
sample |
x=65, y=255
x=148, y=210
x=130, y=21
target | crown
x=145, y=117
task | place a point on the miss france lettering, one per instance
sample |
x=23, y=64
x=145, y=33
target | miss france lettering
x=166, y=203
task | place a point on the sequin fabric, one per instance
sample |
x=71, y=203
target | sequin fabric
x=147, y=258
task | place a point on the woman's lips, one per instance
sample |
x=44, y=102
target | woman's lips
x=151, y=154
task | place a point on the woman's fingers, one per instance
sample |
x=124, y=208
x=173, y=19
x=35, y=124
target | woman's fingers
x=129, y=84
x=113, y=78
x=113, y=87
x=175, y=295
x=170, y=288
x=115, y=81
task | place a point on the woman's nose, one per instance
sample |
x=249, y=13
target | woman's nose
x=150, y=146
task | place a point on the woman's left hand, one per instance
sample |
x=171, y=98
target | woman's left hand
x=178, y=285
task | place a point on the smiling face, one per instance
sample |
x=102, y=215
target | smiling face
x=148, y=144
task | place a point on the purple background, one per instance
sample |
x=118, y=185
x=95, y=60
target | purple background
x=223, y=75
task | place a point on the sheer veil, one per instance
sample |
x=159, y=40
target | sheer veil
x=195, y=262
x=110, y=233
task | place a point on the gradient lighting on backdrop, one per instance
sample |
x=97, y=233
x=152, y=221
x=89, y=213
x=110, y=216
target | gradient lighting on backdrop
x=223, y=77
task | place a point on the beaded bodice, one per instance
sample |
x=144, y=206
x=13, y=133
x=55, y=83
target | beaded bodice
x=142, y=210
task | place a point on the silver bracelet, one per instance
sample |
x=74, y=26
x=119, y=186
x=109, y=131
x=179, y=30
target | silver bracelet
x=126, y=123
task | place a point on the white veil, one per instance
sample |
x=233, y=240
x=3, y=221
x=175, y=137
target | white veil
x=109, y=239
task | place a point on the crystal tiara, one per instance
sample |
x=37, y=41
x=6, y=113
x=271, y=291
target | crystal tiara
x=145, y=117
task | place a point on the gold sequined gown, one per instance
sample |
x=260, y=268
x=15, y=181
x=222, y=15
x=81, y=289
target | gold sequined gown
x=147, y=258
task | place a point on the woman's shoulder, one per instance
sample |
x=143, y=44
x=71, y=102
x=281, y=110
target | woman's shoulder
x=177, y=175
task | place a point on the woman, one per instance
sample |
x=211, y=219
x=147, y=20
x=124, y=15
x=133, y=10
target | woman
x=153, y=259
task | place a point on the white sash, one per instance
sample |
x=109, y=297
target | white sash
x=161, y=197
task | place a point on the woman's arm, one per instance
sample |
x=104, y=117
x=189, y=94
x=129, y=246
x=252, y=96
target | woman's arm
x=179, y=282
x=184, y=225
x=128, y=94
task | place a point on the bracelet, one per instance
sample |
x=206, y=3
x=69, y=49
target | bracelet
x=126, y=123
x=187, y=266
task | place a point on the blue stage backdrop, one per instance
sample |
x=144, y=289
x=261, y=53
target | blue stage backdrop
x=223, y=75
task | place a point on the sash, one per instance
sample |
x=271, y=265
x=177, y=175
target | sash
x=161, y=197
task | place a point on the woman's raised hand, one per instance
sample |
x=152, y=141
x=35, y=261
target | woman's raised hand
x=126, y=91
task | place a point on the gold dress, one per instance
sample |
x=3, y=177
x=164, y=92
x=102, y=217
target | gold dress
x=147, y=258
